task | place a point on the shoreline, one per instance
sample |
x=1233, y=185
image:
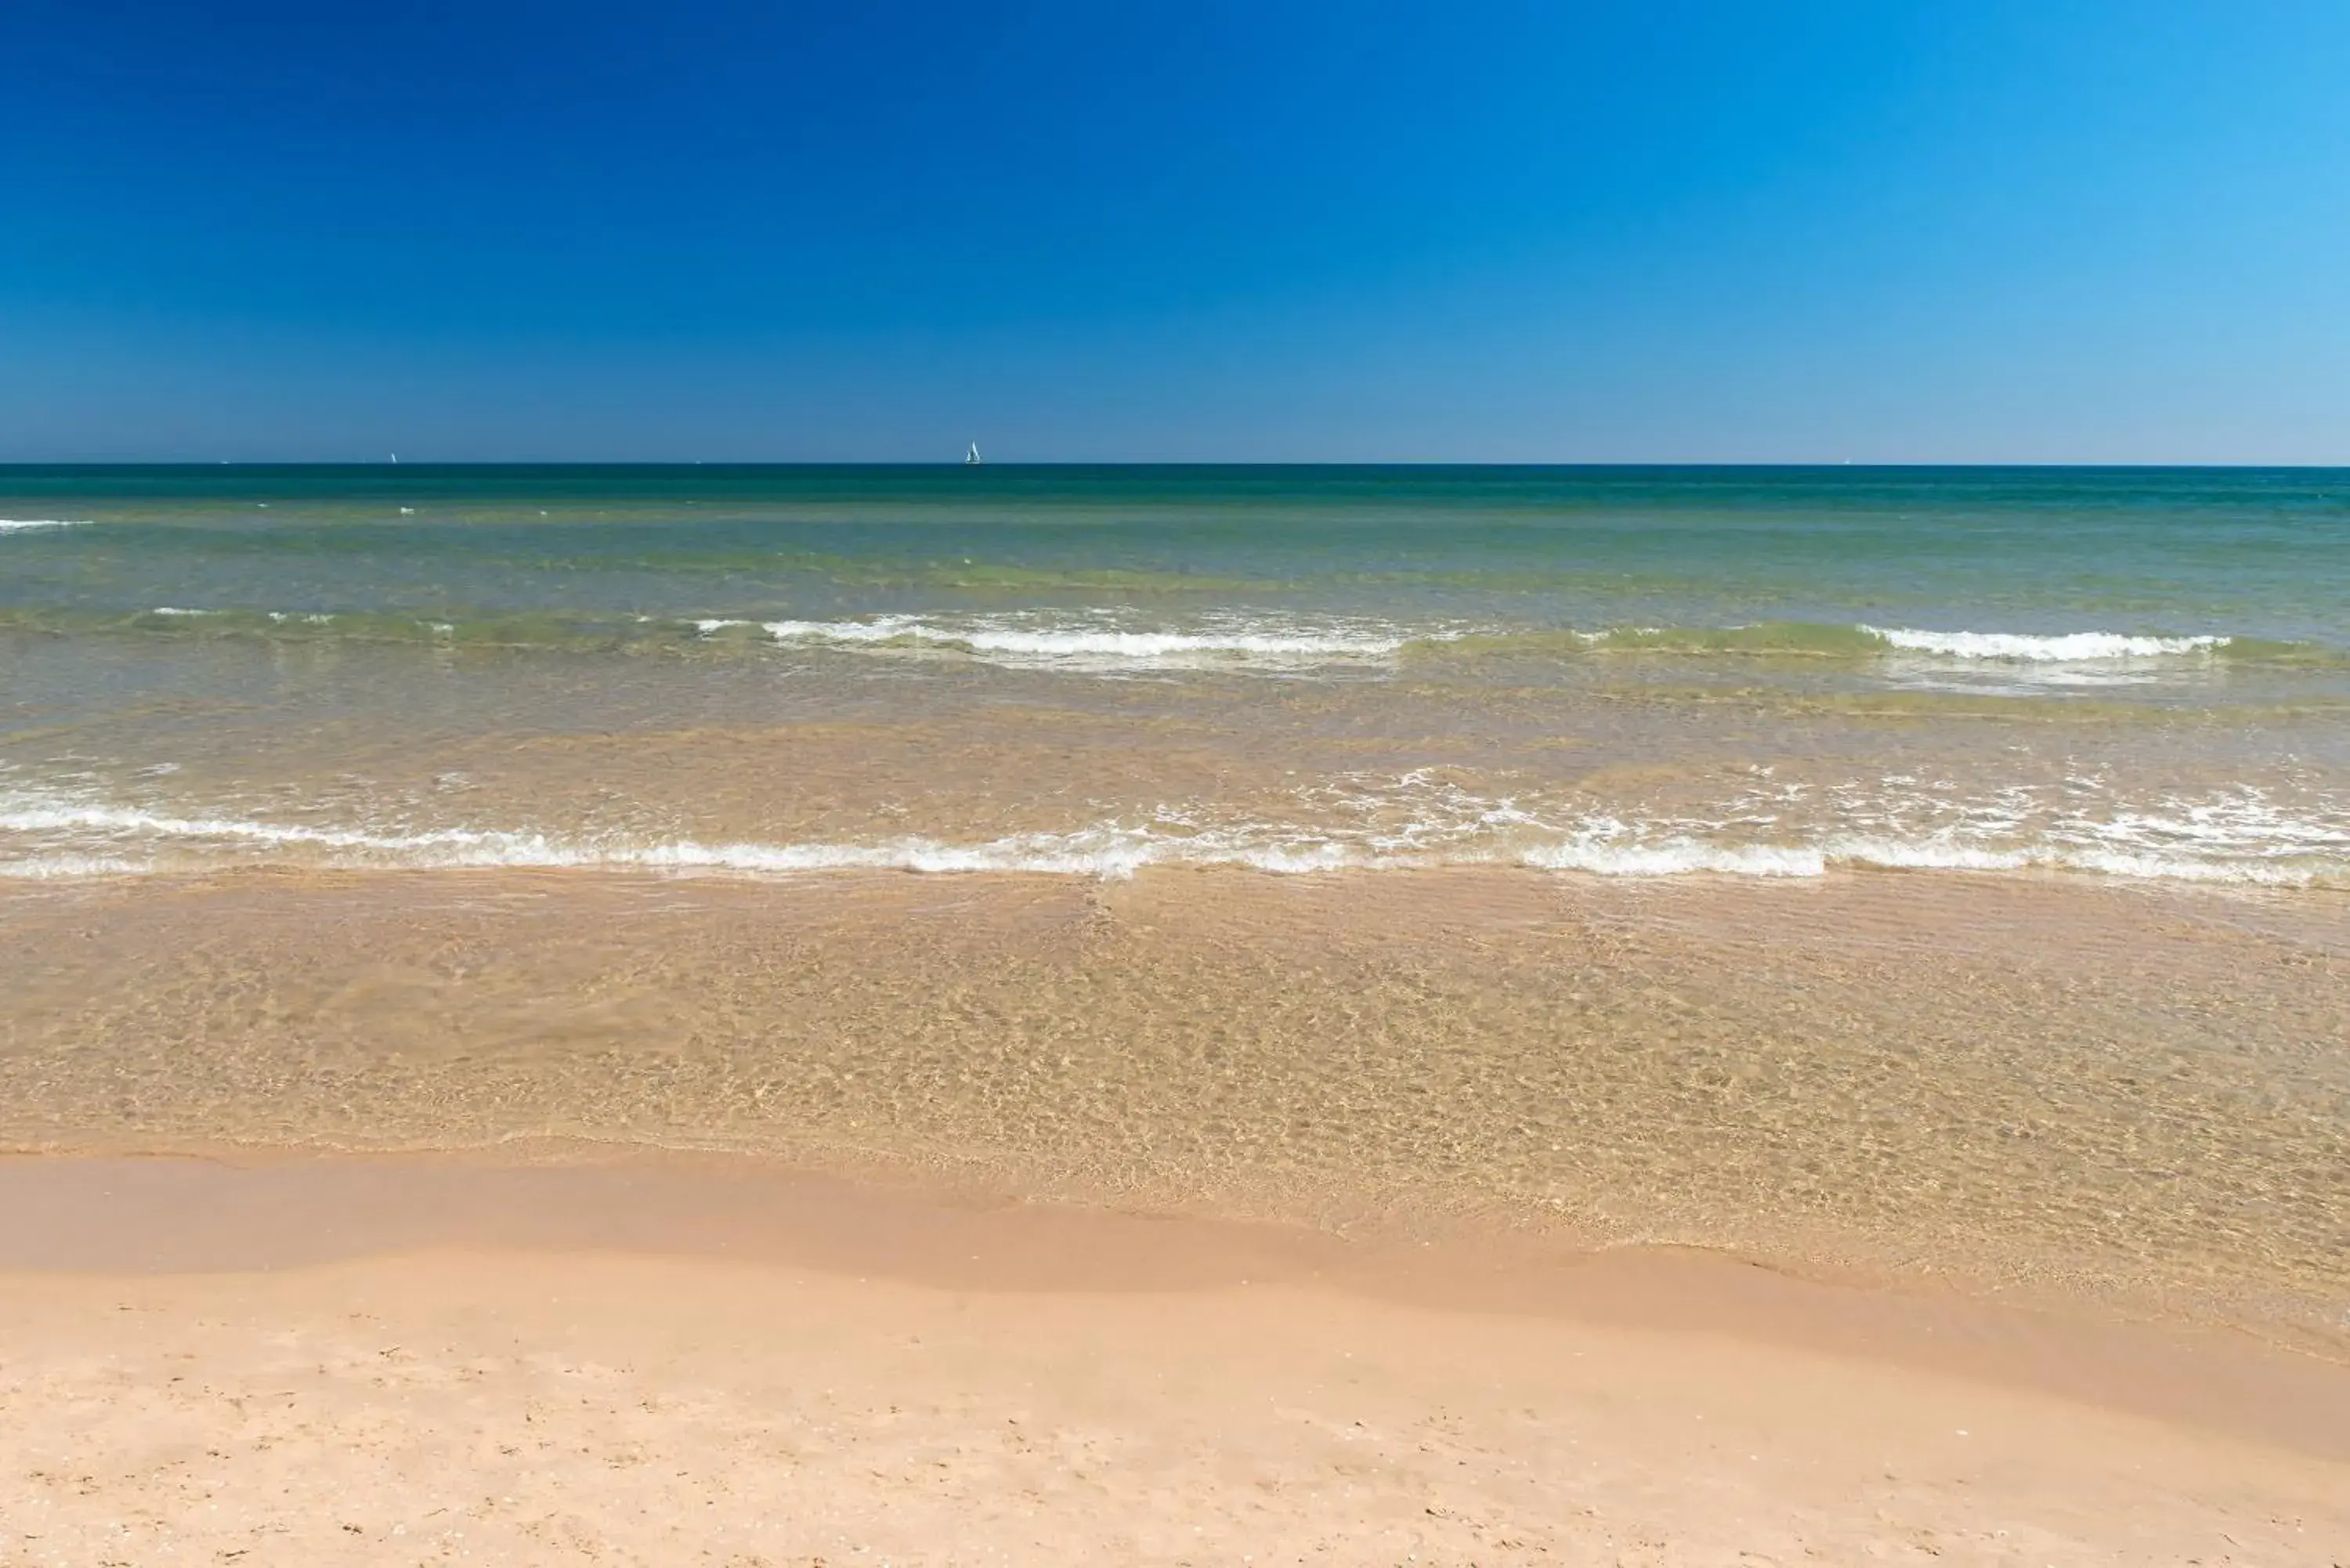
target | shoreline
x=2023, y=1088
x=325, y=1361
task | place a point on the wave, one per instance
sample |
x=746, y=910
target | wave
x=1332, y=639
x=1113, y=640
x=1851, y=640
x=1108, y=850
x=2235, y=838
x=74, y=867
x=1804, y=637
x=1029, y=641
x=28, y=524
x=2067, y=648
x=1077, y=643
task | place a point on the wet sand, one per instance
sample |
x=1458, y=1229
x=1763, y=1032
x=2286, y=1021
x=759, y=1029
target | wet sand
x=391, y=1360
x=2075, y=1088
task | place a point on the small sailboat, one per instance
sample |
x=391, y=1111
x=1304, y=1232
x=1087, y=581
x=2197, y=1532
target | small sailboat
x=971, y=458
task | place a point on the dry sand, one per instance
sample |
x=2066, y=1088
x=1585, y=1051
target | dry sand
x=775, y=1370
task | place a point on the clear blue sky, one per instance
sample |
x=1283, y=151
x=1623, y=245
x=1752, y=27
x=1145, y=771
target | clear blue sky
x=1974, y=231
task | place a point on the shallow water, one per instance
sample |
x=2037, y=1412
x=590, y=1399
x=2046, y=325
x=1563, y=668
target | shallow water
x=2127, y=1091
x=1935, y=870
x=1773, y=672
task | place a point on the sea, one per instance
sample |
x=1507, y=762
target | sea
x=1619, y=671
x=1939, y=875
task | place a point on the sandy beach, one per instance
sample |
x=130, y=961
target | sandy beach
x=1448, y=1220
x=775, y=1015
x=388, y=1362
x=1430, y=787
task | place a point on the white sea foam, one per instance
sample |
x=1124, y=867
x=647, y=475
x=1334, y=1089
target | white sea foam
x=28, y=524
x=1104, y=639
x=72, y=868
x=21, y=814
x=2067, y=648
x=1674, y=856
x=1098, y=641
x=1108, y=850
x=1414, y=821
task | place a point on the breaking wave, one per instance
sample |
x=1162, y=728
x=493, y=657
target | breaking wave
x=2239, y=836
x=1093, y=640
x=2066, y=648
x=1113, y=640
x=1854, y=640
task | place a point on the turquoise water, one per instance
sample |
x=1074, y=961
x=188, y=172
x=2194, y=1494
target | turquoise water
x=1635, y=670
x=2255, y=555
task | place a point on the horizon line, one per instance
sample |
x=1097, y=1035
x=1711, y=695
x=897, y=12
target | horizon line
x=960, y=464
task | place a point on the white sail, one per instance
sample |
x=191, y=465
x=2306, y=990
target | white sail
x=973, y=455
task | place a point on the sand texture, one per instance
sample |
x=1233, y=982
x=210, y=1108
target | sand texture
x=508, y=1405
x=2041, y=1083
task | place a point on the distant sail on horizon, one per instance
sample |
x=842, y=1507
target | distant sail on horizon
x=971, y=457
